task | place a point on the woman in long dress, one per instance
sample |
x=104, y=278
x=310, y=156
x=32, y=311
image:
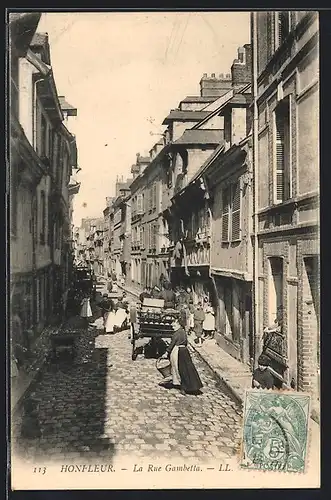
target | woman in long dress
x=184, y=374
x=86, y=311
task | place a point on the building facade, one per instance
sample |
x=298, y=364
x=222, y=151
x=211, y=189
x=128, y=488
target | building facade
x=286, y=166
x=42, y=156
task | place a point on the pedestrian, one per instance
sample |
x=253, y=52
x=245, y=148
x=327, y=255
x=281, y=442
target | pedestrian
x=111, y=319
x=105, y=306
x=121, y=318
x=262, y=378
x=86, y=311
x=168, y=296
x=156, y=293
x=199, y=317
x=190, y=322
x=144, y=295
x=208, y=325
x=184, y=374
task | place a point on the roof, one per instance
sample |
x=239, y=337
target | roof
x=238, y=98
x=199, y=98
x=203, y=167
x=125, y=186
x=39, y=39
x=65, y=106
x=40, y=43
x=143, y=159
x=201, y=136
x=43, y=68
x=22, y=27
x=178, y=115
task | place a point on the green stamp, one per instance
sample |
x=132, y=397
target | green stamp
x=275, y=431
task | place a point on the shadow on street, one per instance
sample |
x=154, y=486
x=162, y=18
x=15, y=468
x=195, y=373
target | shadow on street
x=68, y=404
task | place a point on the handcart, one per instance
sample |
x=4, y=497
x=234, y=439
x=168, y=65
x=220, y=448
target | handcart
x=153, y=321
x=65, y=339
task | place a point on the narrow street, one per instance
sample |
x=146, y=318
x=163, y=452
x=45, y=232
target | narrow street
x=104, y=404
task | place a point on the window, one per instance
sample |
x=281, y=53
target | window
x=231, y=213
x=43, y=137
x=154, y=233
x=225, y=213
x=42, y=217
x=50, y=143
x=275, y=288
x=282, y=27
x=150, y=198
x=154, y=196
x=235, y=213
x=139, y=204
x=142, y=237
x=282, y=190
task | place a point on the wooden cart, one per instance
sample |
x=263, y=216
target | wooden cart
x=153, y=321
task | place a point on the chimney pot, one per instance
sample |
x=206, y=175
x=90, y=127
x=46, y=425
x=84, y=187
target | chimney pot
x=213, y=75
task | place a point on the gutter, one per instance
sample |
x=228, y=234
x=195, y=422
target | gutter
x=47, y=72
x=256, y=338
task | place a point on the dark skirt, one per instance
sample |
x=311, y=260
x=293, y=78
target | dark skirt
x=190, y=380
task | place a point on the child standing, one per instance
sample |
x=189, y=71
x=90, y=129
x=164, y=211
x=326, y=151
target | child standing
x=209, y=321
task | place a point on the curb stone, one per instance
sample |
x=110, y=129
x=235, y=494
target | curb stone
x=219, y=377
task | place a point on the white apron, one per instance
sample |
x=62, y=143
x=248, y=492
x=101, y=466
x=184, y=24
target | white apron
x=86, y=311
x=209, y=321
x=174, y=366
x=110, y=322
x=120, y=317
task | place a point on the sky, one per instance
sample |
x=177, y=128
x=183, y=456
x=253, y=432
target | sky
x=124, y=72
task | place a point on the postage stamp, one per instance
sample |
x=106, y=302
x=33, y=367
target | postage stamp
x=275, y=431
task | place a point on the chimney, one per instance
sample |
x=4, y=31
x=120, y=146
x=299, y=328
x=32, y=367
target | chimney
x=241, y=70
x=214, y=86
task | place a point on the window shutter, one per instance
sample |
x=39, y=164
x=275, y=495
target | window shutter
x=154, y=195
x=154, y=236
x=236, y=212
x=139, y=204
x=149, y=199
x=149, y=236
x=225, y=214
x=280, y=158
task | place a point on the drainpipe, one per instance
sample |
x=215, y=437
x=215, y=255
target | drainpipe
x=211, y=277
x=256, y=338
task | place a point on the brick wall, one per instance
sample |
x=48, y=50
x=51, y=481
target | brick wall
x=307, y=324
x=241, y=69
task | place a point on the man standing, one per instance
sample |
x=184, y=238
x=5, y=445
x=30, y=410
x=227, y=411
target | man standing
x=199, y=317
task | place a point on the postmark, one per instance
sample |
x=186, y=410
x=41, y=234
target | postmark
x=275, y=431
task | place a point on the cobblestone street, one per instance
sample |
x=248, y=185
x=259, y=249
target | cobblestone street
x=104, y=404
